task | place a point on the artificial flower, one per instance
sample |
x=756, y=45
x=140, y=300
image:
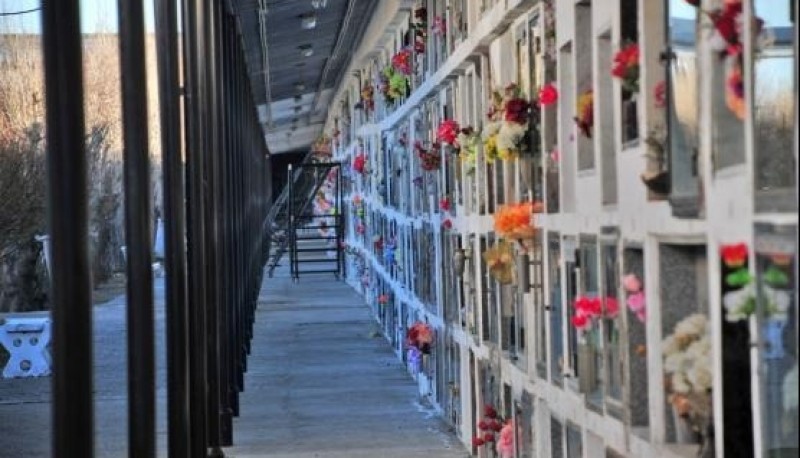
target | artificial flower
x=483, y=425
x=636, y=304
x=734, y=255
x=500, y=262
x=444, y=204
x=513, y=221
x=505, y=445
x=448, y=132
x=585, y=113
x=488, y=437
x=447, y=224
x=612, y=307
x=626, y=67
x=430, y=159
x=360, y=163
x=477, y=442
x=489, y=411
x=776, y=277
x=439, y=26
x=548, y=95
x=402, y=61
x=738, y=278
x=631, y=283
x=383, y=299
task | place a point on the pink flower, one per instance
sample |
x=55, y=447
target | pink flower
x=612, y=307
x=636, y=304
x=447, y=224
x=581, y=322
x=660, y=94
x=631, y=283
x=444, y=204
x=505, y=446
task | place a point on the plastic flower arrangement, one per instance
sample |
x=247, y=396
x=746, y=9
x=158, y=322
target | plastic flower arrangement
x=635, y=296
x=430, y=159
x=360, y=163
x=420, y=336
x=367, y=98
x=626, y=67
x=585, y=113
x=687, y=366
x=448, y=132
x=587, y=309
x=507, y=125
x=468, y=141
x=513, y=221
x=505, y=443
x=488, y=428
x=392, y=85
x=401, y=61
x=548, y=95
x=500, y=261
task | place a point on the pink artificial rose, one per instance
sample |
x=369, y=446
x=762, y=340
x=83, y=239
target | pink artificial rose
x=612, y=307
x=505, y=446
x=636, y=304
x=631, y=283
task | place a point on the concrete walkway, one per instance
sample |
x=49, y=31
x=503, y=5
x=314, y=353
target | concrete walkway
x=319, y=385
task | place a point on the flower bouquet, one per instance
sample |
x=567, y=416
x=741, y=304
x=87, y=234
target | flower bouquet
x=500, y=261
x=448, y=132
x=401, y=61
x=688, y=371
x=420, y=336
x=507, y=126
x=430, y=159
x=490, y=425
x=513, y=221
x=468, y=141
x=626, y=67
x=585, y=113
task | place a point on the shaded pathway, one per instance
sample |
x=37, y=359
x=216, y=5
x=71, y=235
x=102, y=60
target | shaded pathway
x=319, y=385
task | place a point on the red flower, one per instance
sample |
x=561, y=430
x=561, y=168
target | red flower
x=548, y=95
x=483, y=425
x=448, y=131
x=477, y=442
x=488, y=437
x=734, y=255
x=447, y=224
x=360, y=163
x=517, y=111
x=725, y=22
x=489, y=411
x=444, y=204
x=402, y=61
x=580, y=321
x=496, y=426
x=612, y=307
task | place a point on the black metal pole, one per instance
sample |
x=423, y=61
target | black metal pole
x=194, y=109
x=67, y=214
x=177, y=313
x=141, y=335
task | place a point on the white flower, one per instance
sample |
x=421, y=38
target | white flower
x=691, y=326
x=510, y=135
x=679, y=384
x=675, y=362
x=736, y=302
x=669, y=346
x=700, y=378
x=490, y=129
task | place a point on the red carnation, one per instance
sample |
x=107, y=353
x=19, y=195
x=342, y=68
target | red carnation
x=548, y=95
x=488, y=437
x=496, y=426
x=483, y=425
x=517, y=111
x=734, y=255
x=359, y=163
x=448, y=131
x=447, y=224
x=489, y=411
x=580, y=321
x=444, y=204
x=477, y=442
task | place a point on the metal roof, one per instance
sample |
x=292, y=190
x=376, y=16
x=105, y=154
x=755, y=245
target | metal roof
x=293, y=95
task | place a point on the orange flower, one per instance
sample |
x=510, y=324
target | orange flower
x=514, y=220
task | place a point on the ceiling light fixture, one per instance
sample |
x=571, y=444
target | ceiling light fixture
x=308, y=21
x=319, y=4
x=306, y=50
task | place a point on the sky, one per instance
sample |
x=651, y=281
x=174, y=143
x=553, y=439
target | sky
x=96, y=16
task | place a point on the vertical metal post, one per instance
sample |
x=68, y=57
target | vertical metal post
x=141, y=334
x=194, y=79
x=72, y=414
x=209, y=98
x=175, y=249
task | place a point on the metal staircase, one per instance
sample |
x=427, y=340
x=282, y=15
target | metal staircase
x=303, y=183
x=316, y=238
